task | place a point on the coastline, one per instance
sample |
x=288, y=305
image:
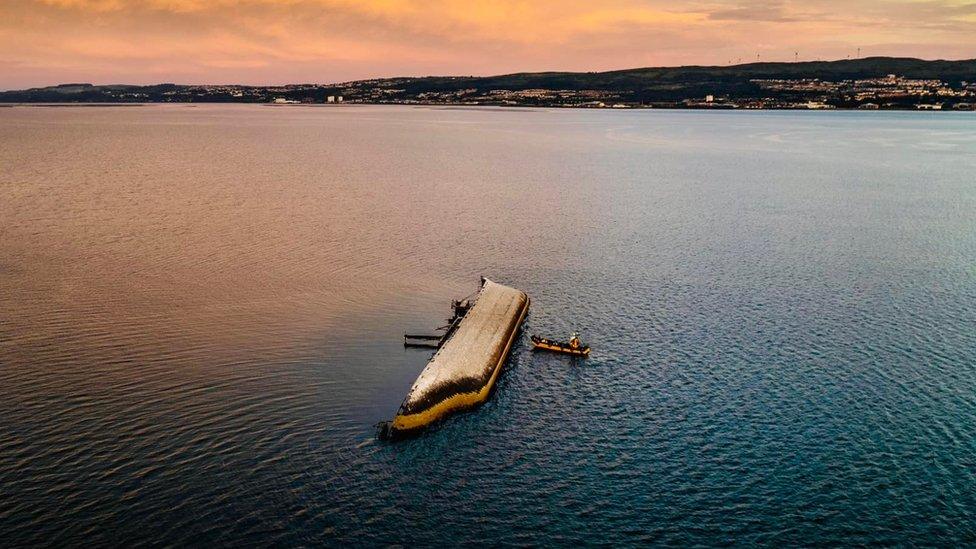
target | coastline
x=476, y=107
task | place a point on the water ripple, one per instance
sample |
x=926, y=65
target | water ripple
x=201, y=315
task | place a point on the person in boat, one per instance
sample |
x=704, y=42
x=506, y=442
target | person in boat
x=574, y=346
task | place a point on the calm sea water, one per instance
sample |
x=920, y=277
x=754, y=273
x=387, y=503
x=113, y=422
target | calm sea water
x=201, y=310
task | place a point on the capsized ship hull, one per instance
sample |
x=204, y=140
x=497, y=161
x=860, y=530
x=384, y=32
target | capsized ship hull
x=462, y=373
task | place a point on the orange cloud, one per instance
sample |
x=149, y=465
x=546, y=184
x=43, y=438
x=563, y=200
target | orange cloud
x=269, y=41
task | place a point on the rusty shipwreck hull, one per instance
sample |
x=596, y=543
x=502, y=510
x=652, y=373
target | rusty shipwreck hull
x=462, y=373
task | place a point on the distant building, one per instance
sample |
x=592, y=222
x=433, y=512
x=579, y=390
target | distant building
x=929, y=106
x=869, y=106
x=816, y=105
x=709, y=98
x=339, y=99
x=330, y=99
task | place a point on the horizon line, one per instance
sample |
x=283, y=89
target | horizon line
x=502, y=74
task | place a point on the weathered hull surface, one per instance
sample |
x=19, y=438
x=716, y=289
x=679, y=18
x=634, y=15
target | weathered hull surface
x=462, y=373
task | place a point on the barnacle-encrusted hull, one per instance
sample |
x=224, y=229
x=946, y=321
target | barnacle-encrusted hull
x=462, y=373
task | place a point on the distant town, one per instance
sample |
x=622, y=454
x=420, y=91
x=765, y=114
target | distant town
x=853, y=84
x=889, y=92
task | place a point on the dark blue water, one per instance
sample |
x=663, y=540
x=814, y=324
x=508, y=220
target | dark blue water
x=201, y=313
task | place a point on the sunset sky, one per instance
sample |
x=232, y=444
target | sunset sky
x=46, y=42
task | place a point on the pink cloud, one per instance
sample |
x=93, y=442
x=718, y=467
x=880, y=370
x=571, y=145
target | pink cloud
x=276, y=41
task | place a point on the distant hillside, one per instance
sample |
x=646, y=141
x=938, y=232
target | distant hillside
x=635, y=79
x=86, y=93
x=689, y=81
x=644, y=84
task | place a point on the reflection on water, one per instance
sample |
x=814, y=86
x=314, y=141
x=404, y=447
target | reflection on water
x=201, y=311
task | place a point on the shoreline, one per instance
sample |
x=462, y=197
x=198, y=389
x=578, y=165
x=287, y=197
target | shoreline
x=465, y=106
